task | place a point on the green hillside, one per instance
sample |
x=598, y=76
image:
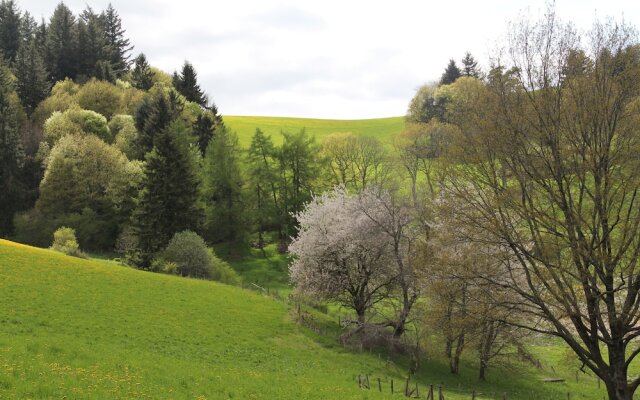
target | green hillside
x=73, y=328
x=383, y=129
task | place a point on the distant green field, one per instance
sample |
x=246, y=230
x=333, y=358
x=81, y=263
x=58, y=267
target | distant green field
x=384, y=129
x=85, y=329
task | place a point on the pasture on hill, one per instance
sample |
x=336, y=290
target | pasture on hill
x=95, y=329
x=383, y=129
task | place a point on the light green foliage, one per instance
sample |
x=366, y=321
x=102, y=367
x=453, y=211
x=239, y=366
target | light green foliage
x=75, y=121
x=221, y=271
x=383, y=129
x=58, y=101
x=190, y=254
x=160, y=77
x=123, y=128
x=101, y=97
x=64, y=241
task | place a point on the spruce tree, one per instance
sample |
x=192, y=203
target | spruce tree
x=10, y=27
x=451, y=73
x=61, y=44
x=141, y=75
x=187, y=84
x=222, y=189
x=28, y=28
x=118, y=47
x=470, y=66
x=91, y=42
x=154, y=115
x=11, y=155
x=168, y=200
x=31, y=75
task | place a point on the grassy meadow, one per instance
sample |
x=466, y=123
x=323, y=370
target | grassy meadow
x=384, y=129
x=84, y=329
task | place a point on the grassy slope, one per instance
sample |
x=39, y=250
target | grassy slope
x=93, y=329
x=382, y=128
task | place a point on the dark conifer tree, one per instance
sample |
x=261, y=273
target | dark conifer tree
x=451, y=73
x=168, y=199
x=187, y=84
x=141, y=75
x=28, y=28
x=10, y=29
x=154, y=115
x=11, y=155
x=31, y=74
x=61, y=44
x=91, y=42
x=470, y=66
x=203, y=129
x=118, y=47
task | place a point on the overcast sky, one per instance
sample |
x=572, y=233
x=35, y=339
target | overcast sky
x=324, y=59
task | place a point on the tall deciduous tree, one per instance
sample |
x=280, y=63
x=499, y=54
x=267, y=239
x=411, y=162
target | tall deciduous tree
x=547, y=161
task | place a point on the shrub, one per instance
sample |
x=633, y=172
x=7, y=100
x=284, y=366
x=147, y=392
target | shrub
x=190, y=254
x=64, y=241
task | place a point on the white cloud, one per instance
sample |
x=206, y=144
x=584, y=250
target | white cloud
x=327, y=59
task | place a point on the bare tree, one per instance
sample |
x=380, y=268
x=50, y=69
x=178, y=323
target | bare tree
x=547, y=164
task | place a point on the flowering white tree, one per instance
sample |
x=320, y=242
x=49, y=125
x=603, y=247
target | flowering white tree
x=341, y=254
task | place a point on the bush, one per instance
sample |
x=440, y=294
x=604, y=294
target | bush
x=190, y=254
x=64, y=241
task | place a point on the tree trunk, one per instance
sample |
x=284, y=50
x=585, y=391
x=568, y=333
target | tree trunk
x=617, y=385
x=454, y=361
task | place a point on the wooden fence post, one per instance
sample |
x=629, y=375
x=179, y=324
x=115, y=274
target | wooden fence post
x=379, y=385
x=430, y=395
x=417, y=391
x=406, y=387
x=440, y=395
x=391, y=386
x=473, y=395
x=368, y=384
x=359, y=381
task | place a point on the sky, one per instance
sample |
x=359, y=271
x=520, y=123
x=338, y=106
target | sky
x=346, y=59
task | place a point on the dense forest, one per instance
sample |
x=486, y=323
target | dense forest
x=508, y=204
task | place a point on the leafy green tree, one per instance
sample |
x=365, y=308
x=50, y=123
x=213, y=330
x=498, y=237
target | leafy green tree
x=470, y=66
x=31, y=75
x=451, y=73
x=11, y=154
x=118, y=46
x=10, y=24
x=61, y=44
x=262, y=181
x=75, y=121
x=168, y=200
x=141, y=75
x=187, y=84
x=426, y=105
x=222, y=189
x=299, y=170
x=100, y=96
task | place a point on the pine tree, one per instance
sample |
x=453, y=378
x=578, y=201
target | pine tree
x=154, y=115
x=451, y=73
x=168, y=200
x=31, y=75
x=61, y=44
x=118, y=47
x=91, y=42
x=28, y=28
x=141, y=75
x=470, y=66
x=222, y=189
x=187, y=84
x=10, y=27
x=11, y=155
